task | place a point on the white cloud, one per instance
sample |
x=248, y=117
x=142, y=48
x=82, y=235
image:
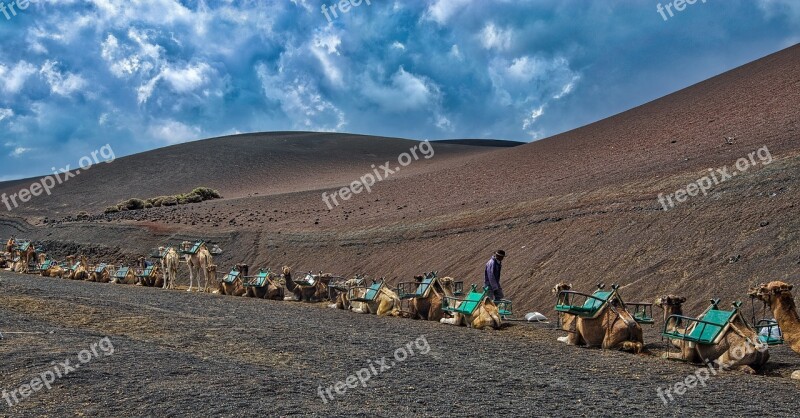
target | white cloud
x=61, y=83
x=773, y=9
x=531, y=119
x=173, y=132
x=325, y=48
x=15, y=78
x=442, y=10
x=456, y=53
x=301, y=101
x=5, y=114
x=493, y=37
x=405, y=91
x=18, y=151
x=398, y=45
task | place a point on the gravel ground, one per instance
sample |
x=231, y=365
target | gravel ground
x=180, y=354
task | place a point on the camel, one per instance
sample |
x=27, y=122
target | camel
x=11, y=244
x=271, y=289
x=26, y=255
x=101, y=274
x=233, y=287
x=428, y=307
x=485, y=316
x=737, y=348
x=169, y=265
x=148, y=275
x=778, y=296
x=613, y=327
x=121, y=276
x=303, y=293
x=200, y=260
x=82, y=271
x=385, y=303
x=342, y=299
x=54, y=270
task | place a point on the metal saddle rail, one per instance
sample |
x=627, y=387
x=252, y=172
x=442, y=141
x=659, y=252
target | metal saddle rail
x=368, y=293
x=705, y=329
x=146, y=273
x=591, y=304
x=121, y=272
x=188, y=248
x=259, y=280
x=231, y=276
x=766, y=329
x=642, y=312
x=466, y=305
x=505, y=306
x=310, y=279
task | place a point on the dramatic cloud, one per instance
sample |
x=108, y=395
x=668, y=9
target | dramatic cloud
x=77, y=74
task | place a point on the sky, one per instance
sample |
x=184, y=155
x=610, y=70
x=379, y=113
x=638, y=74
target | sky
x=143, y=74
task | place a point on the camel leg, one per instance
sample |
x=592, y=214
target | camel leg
x=191, y=279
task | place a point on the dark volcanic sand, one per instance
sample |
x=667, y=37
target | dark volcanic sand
x=179, y=354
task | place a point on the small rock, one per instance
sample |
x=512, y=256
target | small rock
x=796, y=375
x=764, y=223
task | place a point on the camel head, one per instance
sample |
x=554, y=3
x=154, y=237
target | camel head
x=671, y=305
x=664, y=302
x=770, y=292
x=42, y=258
x=561, y=287
x=287, y=271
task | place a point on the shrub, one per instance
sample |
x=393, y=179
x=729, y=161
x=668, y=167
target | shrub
x=132, y=204
x=169, y=201
x=189, y=198
x=112, y=209
x=206, y=193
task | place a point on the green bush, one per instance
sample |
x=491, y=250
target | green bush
x=169, y=201
x=197, y=195
x=132, y=204
x=206, y=193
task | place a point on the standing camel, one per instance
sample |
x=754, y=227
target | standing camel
x=198, y=261
x=169, y=265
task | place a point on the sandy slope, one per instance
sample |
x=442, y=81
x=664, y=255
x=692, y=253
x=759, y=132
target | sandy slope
x=579, y=207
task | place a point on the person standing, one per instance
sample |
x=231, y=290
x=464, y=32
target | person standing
x=492, y=274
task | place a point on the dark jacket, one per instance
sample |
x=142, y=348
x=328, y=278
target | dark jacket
x=492, y=274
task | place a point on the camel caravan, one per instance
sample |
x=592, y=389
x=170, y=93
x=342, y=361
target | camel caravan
x=601, y=319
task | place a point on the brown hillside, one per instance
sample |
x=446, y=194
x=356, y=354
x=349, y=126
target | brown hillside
x=579, y=207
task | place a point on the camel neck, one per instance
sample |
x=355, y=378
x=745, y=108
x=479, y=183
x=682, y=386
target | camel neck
x=673, y=310
x=785, y=313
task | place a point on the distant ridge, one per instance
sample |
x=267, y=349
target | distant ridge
x=499, y=143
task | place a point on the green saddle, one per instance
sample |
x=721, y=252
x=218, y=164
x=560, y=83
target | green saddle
x=703, y=330
x=121, y=273
x=100, y=268
x=370, y=294
x=466, y=306
x=308, y=280
x=590, y=307
x=259, y=280
x=231, y=276
x=147, y=272
x=194, y=248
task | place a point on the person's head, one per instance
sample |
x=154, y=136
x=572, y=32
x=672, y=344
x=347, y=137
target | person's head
x=500, y=255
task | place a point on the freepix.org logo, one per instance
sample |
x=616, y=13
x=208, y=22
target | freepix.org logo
x=10, y=10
